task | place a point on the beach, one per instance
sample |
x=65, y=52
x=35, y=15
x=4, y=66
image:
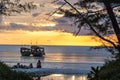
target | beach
x=64, y=62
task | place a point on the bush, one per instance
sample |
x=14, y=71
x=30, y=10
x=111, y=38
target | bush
x=109, y=71
x=7, y=74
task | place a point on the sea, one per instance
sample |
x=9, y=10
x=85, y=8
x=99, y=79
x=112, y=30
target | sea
x=80, y=58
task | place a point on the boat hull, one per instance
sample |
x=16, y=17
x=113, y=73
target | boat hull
x=37, y=54
x=25, y=53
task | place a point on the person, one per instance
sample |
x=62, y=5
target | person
x=30, y=66
x=39, y=64
x=18, y=65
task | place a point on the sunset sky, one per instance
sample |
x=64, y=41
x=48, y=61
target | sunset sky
x=36, y=28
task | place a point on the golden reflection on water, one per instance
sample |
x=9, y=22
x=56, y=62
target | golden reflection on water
x=73, y=77
x=57, y=75
x=64, y=77
x=83, y=78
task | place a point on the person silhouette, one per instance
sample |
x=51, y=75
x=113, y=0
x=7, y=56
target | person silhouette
x=39, y=64
x=30, y=66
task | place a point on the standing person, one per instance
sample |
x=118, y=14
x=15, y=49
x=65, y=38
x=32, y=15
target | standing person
x=39, y=64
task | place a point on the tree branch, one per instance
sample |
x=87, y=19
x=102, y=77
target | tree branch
x=56, y=10
x=87, y=22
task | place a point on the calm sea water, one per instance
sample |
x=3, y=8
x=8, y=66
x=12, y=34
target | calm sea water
x=61, y=57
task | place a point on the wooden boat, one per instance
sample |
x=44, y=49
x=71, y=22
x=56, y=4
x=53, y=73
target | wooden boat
x=25, y=51
x=37, y=51
x=34, y=50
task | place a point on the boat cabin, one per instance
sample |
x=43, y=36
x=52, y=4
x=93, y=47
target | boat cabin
x=34, y=50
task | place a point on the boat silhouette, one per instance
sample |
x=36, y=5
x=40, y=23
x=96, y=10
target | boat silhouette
x=33, y=50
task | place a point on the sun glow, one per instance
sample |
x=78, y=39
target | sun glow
x=46, y=38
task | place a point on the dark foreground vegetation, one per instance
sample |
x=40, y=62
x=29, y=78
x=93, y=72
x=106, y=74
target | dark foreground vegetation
x=109, y=71
x=7, y=74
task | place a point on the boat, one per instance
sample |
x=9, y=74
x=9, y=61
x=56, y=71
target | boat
x=37, y=51
x=33, y=50
x=25, y=51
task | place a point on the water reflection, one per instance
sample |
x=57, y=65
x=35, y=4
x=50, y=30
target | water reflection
x=73, y=77
x=56, y=60
x=64, y=77
x=31, y=58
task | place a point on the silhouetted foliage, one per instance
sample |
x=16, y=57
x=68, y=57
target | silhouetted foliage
x=7, y=7
x=94, y=74
x=7, y=74
x=109, y=71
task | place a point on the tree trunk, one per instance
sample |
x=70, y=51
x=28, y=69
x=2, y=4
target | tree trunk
x=114, y=22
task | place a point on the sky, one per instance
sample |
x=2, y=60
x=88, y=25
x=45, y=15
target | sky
x=37, y=28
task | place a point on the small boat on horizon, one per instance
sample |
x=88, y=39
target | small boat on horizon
x=33, y=50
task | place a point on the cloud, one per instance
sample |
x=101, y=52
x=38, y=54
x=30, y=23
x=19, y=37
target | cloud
x=35, y=14
x=14, y=26
x=60, y=2
x=38, y=20
x=62, y=24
